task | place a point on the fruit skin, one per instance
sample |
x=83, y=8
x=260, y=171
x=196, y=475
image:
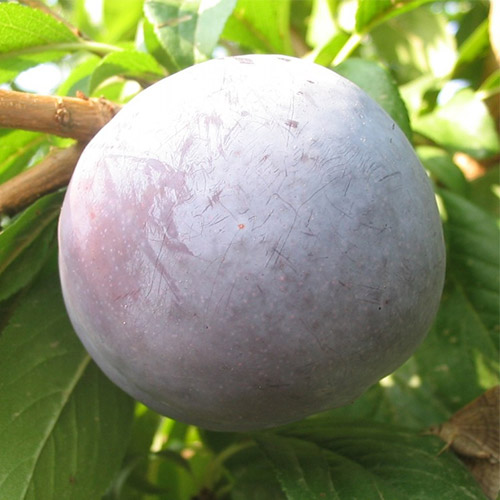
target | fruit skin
x=248, y=242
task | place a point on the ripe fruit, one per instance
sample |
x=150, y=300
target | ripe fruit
x=250, y=241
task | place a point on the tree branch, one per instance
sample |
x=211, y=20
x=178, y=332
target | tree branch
x=75, y=117
x=52, y=173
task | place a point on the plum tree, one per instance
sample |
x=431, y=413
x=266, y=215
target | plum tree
x=248, y=242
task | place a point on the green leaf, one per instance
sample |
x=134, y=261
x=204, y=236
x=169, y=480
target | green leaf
x=300, y=466
x=365, y=459
x=17, y=147
x=129, y=63
x=403, y=398
x=261, y=26
x=321, y=26
x=79, y=78
x=416, y=43
x=474, y=239
x=117, y=91
x=485, y=191
x=63, y=424
x=378, y=84
x=79, y=15
x=475, y=45
x=253, y=477
x=460, y=357
x=368, y=10
x=144, y=429
x=372, y=460
x=326, y=53
x=462, y=124
x=370, y=13
x=120, y=19
x=26, y=266
x=492, y=83
x=187, y=31
x=420, y=94
x=440, y=164
x=29, y=37
x=25, y=243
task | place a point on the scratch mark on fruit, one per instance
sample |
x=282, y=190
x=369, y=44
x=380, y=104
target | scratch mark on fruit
x=228, y=138
x=264, y=158
x=229, y=294
x=291, y=123
x=133, y=294
x=159, y=268
x=285, y=258
x=244, y=60
x=277, y=248
x=215, y=197
x=219, y=268
x=347, y=187
x=315, y=193
x=188, y=142
x=314, y=336
x=388, y=176
x=218, y=221
x=343, y=212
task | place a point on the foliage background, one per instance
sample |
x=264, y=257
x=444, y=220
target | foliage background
x=66, y=432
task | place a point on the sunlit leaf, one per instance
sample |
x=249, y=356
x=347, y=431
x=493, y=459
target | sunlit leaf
x=120, y=19
x=369, y=10
x=28, y=37
x=79, y=78
x=321, y=27
x=261, y=26
x=327, y=52
x=492, y=83
x=462, y=124
x=476, y=44
x=416, y=43
x=132, y=64
x=187, y=31
x=371, y=13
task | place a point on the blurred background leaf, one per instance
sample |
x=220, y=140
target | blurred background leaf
x=260, y=26
x=187, y=32
x=29, y=37
x=377, y=82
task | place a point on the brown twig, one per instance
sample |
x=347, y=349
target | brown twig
x=75, y=117
x=52, y=173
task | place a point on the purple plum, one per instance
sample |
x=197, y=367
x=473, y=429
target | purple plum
x=248, y=242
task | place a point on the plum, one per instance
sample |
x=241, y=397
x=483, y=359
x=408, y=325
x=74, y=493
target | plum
x=248, y=242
